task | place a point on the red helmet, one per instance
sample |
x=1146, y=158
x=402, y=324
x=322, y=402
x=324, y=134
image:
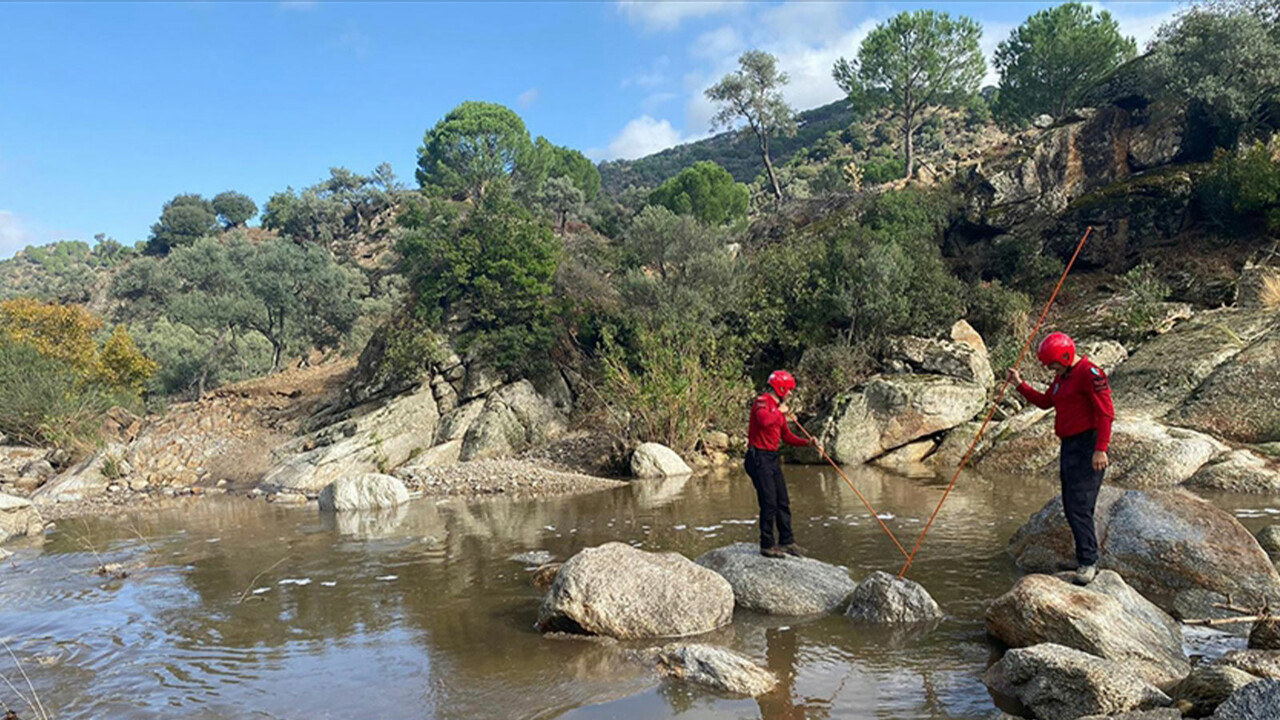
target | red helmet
x=1057, y=348
x=782, y=382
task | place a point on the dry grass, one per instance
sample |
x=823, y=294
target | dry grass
x=1269, y=293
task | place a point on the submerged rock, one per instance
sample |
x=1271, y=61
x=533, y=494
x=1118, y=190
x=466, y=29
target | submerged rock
x=716, y=668
x=884, y=598
x=1107, y=618
x=622, y=592
x=363, y=492
x=654, y=460
x=1060, y=683
x=1256, y=701
x=791, y=586
x=1208, y=685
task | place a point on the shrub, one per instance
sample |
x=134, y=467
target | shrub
x=883, y=170
x=706, y=191
x=1146, y=293
x=825, y=371
x=1242, y=189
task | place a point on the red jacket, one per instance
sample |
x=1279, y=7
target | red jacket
x=768, y=425
x=1082, y=399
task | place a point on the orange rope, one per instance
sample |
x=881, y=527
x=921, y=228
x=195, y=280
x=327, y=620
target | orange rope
x=999, y=396
x=849, y=482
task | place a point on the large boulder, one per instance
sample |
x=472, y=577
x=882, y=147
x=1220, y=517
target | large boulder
x=363, y=492
x=884, y=598
x=1163, y=542
x=1240, y=400
x=889, y=411
x=963, y=359
x=1269, y=539
x=514, y=418
x=1260, y=663
x=654, y=460
x=1208, y=685
x=1108, y=619
x=377, y=439
x=794, y=586
x=18, y=518
x=714, y=667
x=1061, y=683
x=1237, y=471
x=622, y=592
x=1256, y=701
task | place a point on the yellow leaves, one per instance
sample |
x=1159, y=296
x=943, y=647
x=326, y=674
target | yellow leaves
x=66, y=333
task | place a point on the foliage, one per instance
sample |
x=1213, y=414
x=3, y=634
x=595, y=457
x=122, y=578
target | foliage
x=1049, y=61
x=882, y=170
x=476, y=145
x=234, y=209
x=828, y=370
x=1018, y=262
x=1145, y=293
x=913, y=63
x=491, y=271
x=563, y=198
x=66, y=333
x=563, y=162
x=706, y=191
x=1241, y=190
x=67, y=271
x=184, y=219
x=334, y=210
x=754, y=94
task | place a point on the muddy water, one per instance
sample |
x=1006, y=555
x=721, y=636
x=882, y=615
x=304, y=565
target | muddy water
x=247, y=610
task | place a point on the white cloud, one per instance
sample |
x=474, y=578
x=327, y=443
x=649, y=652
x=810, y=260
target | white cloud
x=657, y=15
x=994, y=33
x=1139, y=20
x=718, y=44
x=14, y=234
x=652, y=102
x=528, y=97
x=642, y=136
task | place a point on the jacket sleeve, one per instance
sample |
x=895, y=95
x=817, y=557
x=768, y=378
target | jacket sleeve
x=1104, y=411
x=790, y=438
x=1035, y=397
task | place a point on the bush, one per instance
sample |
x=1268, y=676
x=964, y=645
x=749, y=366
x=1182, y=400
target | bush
x=1241, y=190
x=1146, y=292
x=706, y=191
x=883, y=170
x=1019, y=263
x=825, y=371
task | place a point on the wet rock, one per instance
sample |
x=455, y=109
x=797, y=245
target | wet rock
x=794, y=586
x=363, y=492
x=1061, y=683
x=1198, y=603
x=1261, y=663
x=1207, y=686
x=1269, y=538
x=287, y=498
x=1265, y=634
x=1159, y=714
x=1107, y=618
x=545, y=575
x=622, y=592
x=1256, y=701
x=514, y=418
x=18, y=518
x=1237, y=471
x=533, y=558
x=716, y=668
x=366, y=524
x=1162, y=542
x=884, y=598
x=653, y=460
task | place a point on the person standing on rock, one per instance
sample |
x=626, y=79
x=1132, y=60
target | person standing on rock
x=1081, y=397
x=765, y=433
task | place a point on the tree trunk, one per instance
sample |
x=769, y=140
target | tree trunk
x=773, y=179
x=277, y=349
x=911, y=149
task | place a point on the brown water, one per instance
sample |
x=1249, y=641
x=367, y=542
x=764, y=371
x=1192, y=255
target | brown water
x=420, y=613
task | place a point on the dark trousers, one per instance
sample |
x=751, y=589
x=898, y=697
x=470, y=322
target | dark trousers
x=1080, y=486
x=765, y=470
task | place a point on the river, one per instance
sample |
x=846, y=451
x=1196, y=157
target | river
x=238, y=609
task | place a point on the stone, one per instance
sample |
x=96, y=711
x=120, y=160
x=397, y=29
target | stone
x=481, y=380
x=1162, y=542
x=288, y=498
x=1106, y=354
x=85, y=479
x=942, y=357
x=552, y=386
x=1250, y=288
x=1265, y=634
x=533, y=558
x=514, y=418
x=884, y=598
x=1260, y=663
x=716, y=441
x=363, y=492
x=1238, y=471
x=1256, y=701
x=654, y=460
x=716, y=668
x=1158, y=141
x=909, y=459
x=1269, y=539
x=1060, y=683
x=40, y=470
x=962, y=332
x=18, y=518
x=1107, y=618
x=1159, y=714
x=1042, y=121
x=139, y=484
x=545, y=575
x=379, y=438
x=791, y=586
x=889, y=411
x=1199, y=603
x=1240, y=399
x=1208, y=685
x=455, y=424
x=625, y=593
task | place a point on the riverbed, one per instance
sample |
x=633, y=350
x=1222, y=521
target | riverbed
x=235, y=608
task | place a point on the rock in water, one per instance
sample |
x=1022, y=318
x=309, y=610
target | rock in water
x=1238, y=471
x=1265, y=634
x=1108, y=619
x=1163, y=542
x=652, y=460
x=883, y=598
x=1269, y=539
x=794, y=586
x=716, y=668
x=1159, y=714
x=1060, y=683
x=18, y=517
x=622, y=592
x=889, y=411
x=1256, y=701
x=1208, y=686
x=533, y=558
x=363, y=492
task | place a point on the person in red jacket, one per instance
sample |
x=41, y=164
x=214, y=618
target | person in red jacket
x=1081, y=397
x=765, y=433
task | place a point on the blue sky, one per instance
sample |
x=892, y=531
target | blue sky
x=109, y=109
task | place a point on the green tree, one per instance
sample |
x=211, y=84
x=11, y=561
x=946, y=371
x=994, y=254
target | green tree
x=234, y=209
x=913, y=63
x=754, y=93
x=706, y=191
x=476, y=145
x=1050, y=60
x=569, y=163
x=563, y=198
x=184, y=219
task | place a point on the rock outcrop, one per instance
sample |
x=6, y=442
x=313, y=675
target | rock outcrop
x=1240, y=399
x=716, y=668
x=625, y=593
x=18, y=518
x=884, y=598
x=794, y=586
x=1061, y=683
x=1238, y=471
x=514, y=418
x=654, y=460
x=363, y=492
x=1256, y=701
